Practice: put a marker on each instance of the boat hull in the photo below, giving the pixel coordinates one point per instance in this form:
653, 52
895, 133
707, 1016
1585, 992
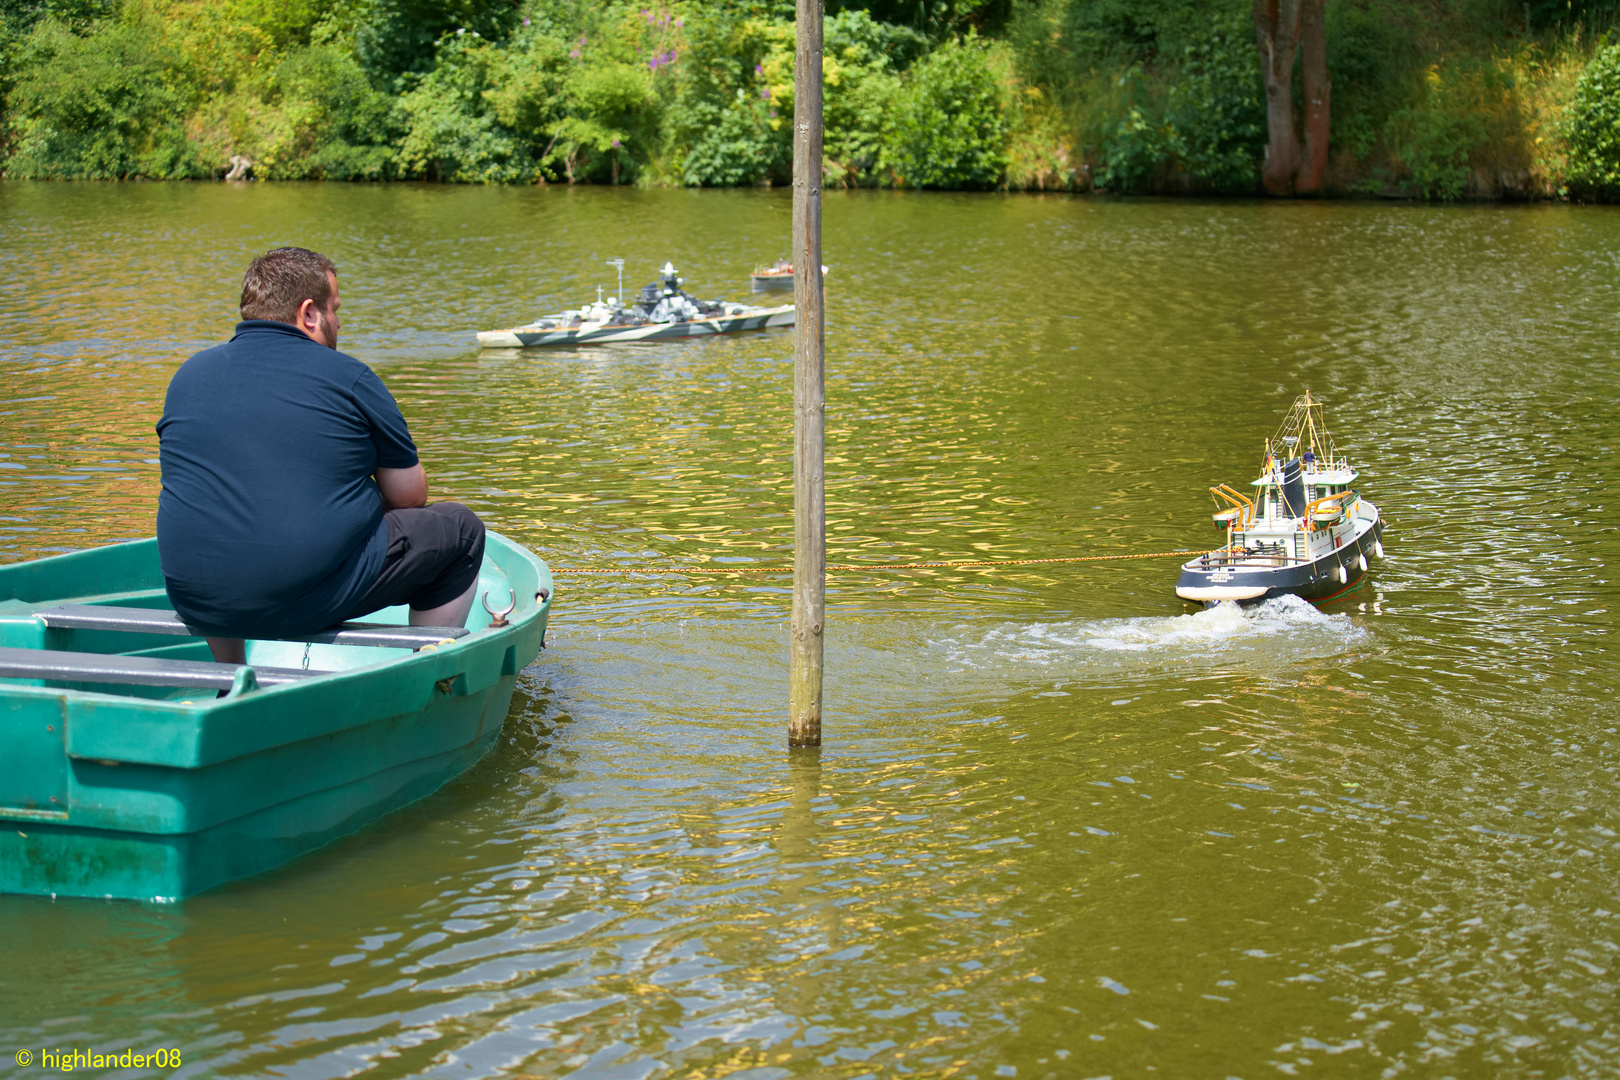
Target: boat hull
596, 334
142, 796
72, 860
1330, 574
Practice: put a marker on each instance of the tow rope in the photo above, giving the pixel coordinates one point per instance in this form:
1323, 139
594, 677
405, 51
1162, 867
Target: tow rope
858, 566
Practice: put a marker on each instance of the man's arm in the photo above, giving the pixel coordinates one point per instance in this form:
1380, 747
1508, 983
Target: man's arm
403, 488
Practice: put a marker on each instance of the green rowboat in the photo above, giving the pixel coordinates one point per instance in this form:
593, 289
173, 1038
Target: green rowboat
123, 775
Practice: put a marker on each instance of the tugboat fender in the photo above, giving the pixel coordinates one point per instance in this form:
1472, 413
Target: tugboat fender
1214, 594
1361, 560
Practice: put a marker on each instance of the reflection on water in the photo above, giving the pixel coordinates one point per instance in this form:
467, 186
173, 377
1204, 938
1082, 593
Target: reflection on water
1064, 824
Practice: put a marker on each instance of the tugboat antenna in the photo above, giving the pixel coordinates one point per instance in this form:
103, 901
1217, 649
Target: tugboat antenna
618, 264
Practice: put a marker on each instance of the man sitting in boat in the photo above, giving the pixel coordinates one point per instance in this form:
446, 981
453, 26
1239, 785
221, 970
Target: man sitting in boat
292, 496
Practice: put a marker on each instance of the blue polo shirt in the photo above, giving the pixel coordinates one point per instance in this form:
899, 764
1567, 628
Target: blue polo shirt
269, 523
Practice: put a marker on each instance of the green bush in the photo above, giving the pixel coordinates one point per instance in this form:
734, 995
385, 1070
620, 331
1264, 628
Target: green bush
107, 105
1432, 147
1374, 66
451, 132
1216, 113
949, 123
939, 19
1465, 108
863, 62
735, 104
1593, 124
1131, 139
529, 78
394, 38
19, 17
1136, 31
610, 126
729, 117
742, 147
1201, 124
325, 121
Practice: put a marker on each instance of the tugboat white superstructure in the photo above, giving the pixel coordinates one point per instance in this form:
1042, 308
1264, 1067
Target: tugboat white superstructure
664, 310
1304, 530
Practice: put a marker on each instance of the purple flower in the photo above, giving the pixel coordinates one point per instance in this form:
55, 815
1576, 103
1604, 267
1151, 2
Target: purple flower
759, 69
680, 22
765, 93
525, 20
574, 53
615, 144
645, 14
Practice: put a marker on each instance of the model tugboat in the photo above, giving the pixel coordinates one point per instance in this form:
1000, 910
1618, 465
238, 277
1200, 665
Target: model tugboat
1305, 530
663, 310
778, 275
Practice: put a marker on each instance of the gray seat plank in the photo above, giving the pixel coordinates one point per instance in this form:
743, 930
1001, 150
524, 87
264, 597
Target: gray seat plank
134, 670
161, 621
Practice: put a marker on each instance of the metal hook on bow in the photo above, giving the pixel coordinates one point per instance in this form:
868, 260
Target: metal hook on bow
498, 618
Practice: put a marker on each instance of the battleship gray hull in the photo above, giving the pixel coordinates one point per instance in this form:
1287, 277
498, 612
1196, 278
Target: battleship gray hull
588, 333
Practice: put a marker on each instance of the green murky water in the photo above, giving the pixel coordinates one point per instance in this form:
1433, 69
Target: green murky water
1063, 825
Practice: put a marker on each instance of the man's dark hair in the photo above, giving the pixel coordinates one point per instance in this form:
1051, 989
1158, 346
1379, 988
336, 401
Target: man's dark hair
279, 281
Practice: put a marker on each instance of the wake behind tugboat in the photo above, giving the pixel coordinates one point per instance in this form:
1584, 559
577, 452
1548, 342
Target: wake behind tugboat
664, 310
1305, 532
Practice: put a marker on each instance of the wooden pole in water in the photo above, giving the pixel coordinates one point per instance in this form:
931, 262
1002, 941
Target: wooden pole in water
809, 391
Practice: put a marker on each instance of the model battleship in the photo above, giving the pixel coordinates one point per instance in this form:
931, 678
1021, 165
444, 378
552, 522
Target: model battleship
664, 310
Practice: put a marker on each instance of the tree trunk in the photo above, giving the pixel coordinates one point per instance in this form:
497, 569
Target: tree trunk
1276, 29
1318, 94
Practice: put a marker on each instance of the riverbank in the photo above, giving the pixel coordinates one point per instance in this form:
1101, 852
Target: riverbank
1464, 99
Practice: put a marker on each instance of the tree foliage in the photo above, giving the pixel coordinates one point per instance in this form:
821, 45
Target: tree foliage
394, 38
1202, 123
1428, 96
949, 123
1593, 124
324, 120
106, 105
452, 131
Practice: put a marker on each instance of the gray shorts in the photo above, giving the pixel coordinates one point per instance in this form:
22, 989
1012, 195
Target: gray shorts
434, 553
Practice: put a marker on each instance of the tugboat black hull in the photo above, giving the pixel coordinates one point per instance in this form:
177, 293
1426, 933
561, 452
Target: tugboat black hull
1331, 574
